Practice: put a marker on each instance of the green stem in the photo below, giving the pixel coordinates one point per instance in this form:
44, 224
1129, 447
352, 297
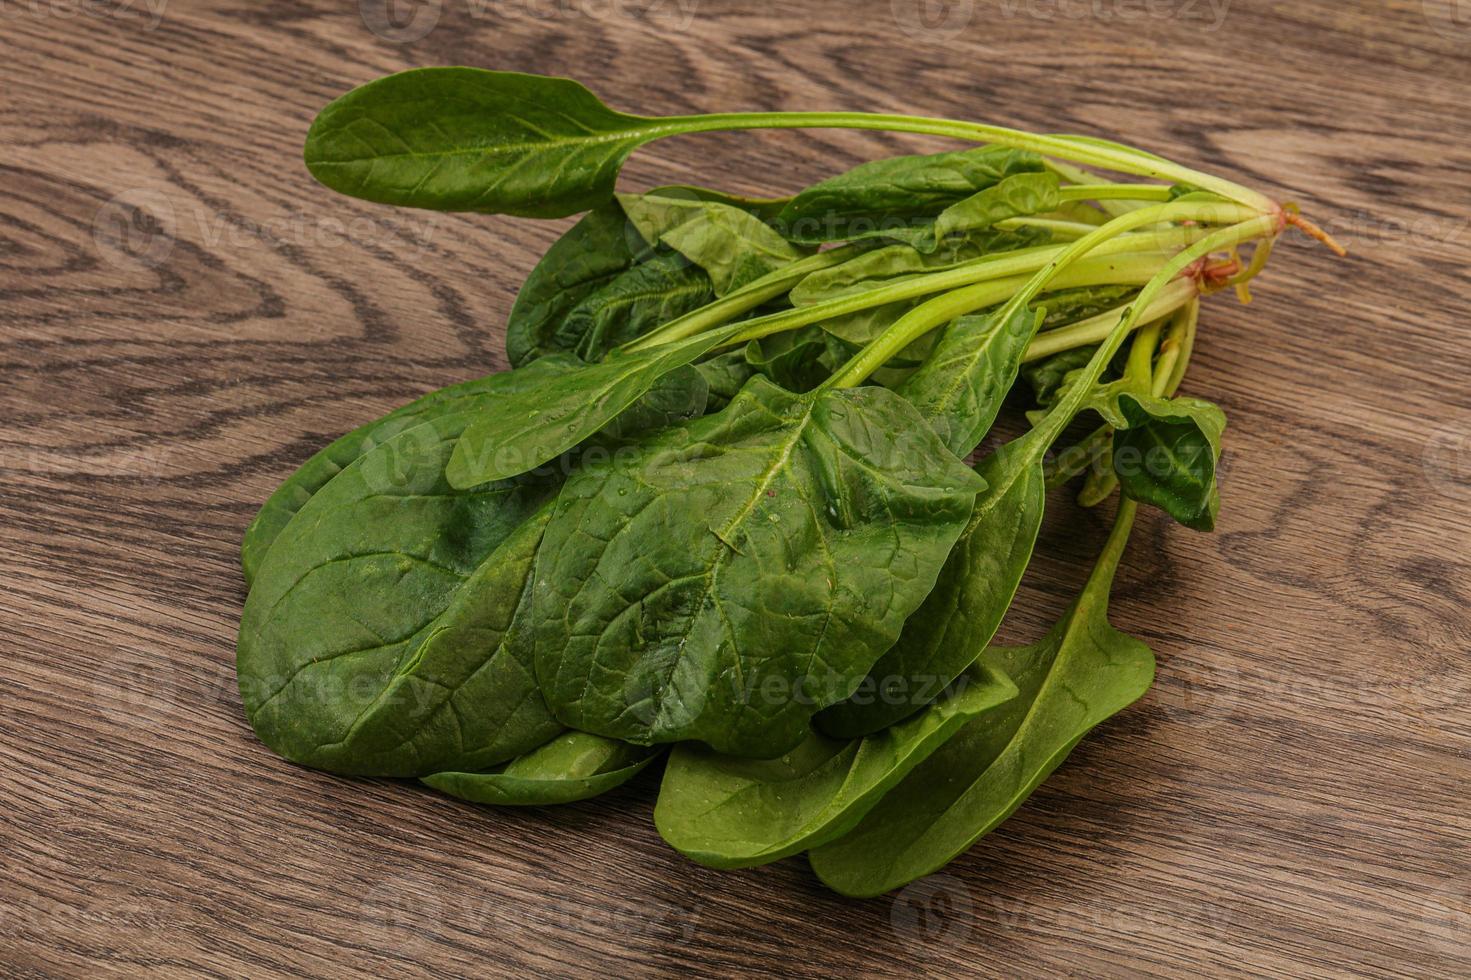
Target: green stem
1084, 150
1092, 271
1260, 227
908, 328
1096, 329
1174, 353
736, 302
1115, 192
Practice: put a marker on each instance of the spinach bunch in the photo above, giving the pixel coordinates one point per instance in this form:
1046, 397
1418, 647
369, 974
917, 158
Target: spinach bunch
719, 505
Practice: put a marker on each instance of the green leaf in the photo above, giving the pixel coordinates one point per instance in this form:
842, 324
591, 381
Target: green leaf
383, 635
882, 197
462, 139
1167, 456
725, 375
644, 296
533, 427
1016, 196
960, 387
970, 598
385, 632
316, 472
1081, 673
1048, 375
591, 254
898, 262
731, 245
727, 578
727, 812
791, 360
573, 766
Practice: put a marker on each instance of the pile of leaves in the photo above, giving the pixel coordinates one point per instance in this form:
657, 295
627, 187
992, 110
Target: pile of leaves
717, 516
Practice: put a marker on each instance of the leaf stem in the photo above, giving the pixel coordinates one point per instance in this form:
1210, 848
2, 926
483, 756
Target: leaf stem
913, 325
1062, 413
1079, 149
742, 300
1096, 329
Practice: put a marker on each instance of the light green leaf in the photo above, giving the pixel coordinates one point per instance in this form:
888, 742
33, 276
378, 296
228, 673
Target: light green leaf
1081, 673
727, 812
725, 579
573, 766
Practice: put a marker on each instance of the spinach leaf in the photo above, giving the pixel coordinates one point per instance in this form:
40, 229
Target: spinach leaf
895, 261
386, 632
311, 476
728, 577
733, 246
573, 766
971, 595
587, 258
461, 139
642, 297
792, 360
531, 427
1166, 455
1048, 375
725, 375
884, 197
602, 284
727, 812
960, 387
1082, 672
1015, 196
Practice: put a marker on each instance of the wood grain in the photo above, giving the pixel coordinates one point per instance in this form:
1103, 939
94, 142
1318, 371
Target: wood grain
185, 316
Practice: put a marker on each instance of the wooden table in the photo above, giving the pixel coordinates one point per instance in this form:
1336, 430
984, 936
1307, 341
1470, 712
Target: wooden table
186, 316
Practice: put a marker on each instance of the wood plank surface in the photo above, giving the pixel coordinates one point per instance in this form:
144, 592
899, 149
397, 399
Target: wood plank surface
185, 316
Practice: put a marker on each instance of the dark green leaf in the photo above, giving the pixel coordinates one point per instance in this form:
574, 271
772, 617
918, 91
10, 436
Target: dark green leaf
1048, 375
385, 632
791, 360
592, 253
1082, 672
532, 427
727, 812
726, 579
725, 374
883, 196
314, 474
960, 387
1016, 196
731, 245
974, 589
573, 766
462, 139
644, 296
1167, 456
